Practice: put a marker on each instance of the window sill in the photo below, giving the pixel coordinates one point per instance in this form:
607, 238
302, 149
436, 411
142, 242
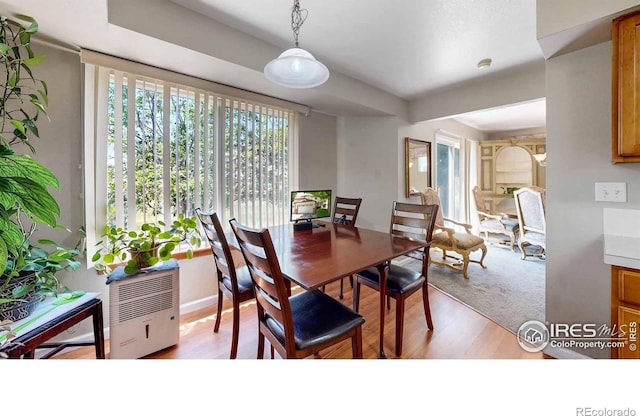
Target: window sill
179, 255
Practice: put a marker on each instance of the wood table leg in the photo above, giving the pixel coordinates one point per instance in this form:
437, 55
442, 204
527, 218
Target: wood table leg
382, 272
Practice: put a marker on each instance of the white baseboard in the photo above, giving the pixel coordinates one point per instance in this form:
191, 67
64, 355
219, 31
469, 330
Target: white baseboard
198, 304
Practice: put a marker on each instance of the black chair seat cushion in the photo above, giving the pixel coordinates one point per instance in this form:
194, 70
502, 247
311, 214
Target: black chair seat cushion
399, 279
316, 318
244, 280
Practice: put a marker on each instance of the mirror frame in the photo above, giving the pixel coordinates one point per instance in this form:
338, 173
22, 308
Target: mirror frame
407, 152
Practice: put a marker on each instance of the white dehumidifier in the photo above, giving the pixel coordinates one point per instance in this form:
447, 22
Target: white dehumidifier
144, 312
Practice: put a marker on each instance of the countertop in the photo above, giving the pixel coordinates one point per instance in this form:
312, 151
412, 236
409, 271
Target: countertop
621, 229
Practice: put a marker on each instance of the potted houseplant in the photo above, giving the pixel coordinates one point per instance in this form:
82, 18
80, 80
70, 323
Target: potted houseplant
27, 270
137, 249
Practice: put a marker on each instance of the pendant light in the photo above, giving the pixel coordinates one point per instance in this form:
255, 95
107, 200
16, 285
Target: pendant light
295, 67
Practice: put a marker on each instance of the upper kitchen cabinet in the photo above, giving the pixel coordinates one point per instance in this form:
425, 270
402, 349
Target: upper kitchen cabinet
625, 36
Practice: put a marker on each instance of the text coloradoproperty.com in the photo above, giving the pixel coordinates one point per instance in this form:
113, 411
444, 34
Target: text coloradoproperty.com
586, 344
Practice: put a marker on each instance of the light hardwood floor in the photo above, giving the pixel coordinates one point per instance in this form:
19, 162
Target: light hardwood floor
459, 332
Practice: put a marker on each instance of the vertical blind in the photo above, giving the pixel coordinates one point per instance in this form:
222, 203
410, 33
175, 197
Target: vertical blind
157, 149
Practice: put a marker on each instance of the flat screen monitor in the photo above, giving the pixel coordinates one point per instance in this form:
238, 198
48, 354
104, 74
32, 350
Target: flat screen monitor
309, 205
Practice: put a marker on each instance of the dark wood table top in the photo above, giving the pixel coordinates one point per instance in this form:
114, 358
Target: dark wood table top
313, 258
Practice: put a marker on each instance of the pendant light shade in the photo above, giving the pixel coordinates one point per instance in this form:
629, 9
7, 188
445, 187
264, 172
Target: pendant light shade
296, 68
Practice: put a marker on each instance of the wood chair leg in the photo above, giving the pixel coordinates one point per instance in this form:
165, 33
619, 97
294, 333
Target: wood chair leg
216, 327
427, 308
342, 285
484, 254
524, 253
236, 330
399, 324
356, 343
465, 265
260, 345
356, 295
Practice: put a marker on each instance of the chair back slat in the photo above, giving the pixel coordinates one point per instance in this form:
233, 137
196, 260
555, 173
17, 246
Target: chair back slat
219, 247
262, 274
415, 221
415, 236
410, 221
272, 293
345, 210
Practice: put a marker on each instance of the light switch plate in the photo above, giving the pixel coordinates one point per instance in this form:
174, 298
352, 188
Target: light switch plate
611, 191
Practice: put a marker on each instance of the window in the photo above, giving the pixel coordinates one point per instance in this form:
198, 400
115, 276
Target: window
448, 176
156, 148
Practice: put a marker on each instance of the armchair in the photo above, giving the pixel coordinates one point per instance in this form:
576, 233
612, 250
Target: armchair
494, 223
448, 239
530, 204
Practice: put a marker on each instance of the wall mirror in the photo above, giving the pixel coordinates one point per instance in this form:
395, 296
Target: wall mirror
417, 166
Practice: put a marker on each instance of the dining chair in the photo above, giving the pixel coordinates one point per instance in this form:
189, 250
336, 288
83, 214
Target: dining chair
234, 282
414, 221
447, 238
530, 205
494, 223
296, 326
345, 211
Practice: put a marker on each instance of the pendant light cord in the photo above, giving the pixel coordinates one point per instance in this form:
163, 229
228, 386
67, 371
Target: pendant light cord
298, 16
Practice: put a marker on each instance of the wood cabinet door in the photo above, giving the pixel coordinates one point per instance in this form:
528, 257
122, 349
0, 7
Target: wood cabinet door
626, 89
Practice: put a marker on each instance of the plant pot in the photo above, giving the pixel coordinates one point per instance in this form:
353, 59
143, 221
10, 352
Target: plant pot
20, 309
7, 285
143, 257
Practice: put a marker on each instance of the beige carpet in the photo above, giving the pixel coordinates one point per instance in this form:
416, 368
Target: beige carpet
510, 291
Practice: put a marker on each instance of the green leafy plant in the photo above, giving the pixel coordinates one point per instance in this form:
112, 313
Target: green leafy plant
145, 247
23, 97
25, 198
40, 263
23, 189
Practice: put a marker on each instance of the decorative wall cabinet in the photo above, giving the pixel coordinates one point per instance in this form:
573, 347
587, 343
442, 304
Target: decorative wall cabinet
507, 164
625, 125
625, 311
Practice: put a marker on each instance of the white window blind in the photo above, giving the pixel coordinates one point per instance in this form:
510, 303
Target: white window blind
155, 149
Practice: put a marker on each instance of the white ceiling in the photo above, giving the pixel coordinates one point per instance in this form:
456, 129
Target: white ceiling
522, 116
404, 48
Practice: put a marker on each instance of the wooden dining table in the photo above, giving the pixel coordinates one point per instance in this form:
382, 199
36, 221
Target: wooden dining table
324, 254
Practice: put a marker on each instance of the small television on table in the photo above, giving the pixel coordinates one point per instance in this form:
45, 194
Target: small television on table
309, 205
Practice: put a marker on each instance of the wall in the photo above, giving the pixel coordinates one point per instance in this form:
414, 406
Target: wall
367, 166
578, 155
318, 161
